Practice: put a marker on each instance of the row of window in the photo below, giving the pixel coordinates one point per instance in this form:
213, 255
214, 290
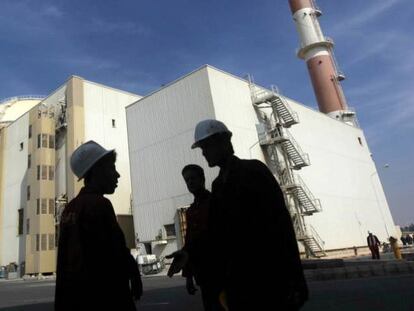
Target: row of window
42, 242
45, 172
43, 140
42, 206
46, 141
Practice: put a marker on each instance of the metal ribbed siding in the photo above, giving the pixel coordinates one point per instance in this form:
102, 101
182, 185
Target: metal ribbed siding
160, 130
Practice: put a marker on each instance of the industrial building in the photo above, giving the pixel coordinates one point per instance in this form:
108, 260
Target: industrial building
320, 158
37, 137
329, 172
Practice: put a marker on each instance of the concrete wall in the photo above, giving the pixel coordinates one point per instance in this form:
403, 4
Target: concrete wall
343, 176
13, 191
102, 105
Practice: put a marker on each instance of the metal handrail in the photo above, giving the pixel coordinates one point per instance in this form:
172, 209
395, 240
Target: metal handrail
296, 180
335, 63
317, 237
294, 115
300, 181
339, 91
22, 97
286, 134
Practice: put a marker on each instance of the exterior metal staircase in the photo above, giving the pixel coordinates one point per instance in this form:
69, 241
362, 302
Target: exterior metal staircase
295, 186
279, 135
284, 155
313, 243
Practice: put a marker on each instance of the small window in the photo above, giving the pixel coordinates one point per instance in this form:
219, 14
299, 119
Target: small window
51, 242
27, 225
20, 229
44, 206
51, 206
170, 230
39, 140
360, 141
52, 141
37, 206
113, 123
21, 146
37, 242
30, 131
28, 193
44, 140
38, 172
39, 114
44, 242
44, 172
51, 172
29, 161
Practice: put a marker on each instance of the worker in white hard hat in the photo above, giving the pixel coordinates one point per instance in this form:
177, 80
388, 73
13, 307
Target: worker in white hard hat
95, 270
248, 211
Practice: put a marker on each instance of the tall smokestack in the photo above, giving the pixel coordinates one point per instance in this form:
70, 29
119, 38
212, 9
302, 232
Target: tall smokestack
316, 50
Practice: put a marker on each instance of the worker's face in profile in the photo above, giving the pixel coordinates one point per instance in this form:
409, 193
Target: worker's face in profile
105, 176
212, 150
111, 176
194, 181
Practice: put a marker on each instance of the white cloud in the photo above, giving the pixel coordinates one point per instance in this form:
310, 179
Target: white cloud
52, 11
365, 16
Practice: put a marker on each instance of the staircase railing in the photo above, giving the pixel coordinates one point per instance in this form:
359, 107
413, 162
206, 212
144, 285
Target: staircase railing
286, 134
316, 236
316, 202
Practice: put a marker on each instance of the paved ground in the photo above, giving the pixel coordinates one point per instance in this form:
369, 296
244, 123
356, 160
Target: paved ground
161, 293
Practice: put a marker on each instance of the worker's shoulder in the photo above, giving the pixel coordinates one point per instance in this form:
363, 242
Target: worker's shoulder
92, 202
253, 165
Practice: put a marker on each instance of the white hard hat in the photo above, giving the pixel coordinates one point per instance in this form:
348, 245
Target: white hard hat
207, 128
85, 156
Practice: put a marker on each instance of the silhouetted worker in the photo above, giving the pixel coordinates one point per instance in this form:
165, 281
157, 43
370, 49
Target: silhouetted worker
196, 238
95, 270
248, 212
373, 244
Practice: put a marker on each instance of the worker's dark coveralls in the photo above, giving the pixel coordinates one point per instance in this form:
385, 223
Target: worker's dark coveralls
197, 247
373, 244
94, 266
257, 260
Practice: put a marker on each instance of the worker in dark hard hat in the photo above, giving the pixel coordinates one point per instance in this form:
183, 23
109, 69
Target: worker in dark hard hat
95, 270
248, 212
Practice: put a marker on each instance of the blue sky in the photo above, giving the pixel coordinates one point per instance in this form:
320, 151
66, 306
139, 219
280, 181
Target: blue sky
140, 45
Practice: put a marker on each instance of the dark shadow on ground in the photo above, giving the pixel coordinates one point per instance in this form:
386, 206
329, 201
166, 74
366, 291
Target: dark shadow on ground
32, 307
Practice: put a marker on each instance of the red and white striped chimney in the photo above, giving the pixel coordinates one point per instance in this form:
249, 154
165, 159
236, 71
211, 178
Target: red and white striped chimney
316, 50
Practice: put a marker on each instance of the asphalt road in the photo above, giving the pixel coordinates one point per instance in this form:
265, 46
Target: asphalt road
162, 293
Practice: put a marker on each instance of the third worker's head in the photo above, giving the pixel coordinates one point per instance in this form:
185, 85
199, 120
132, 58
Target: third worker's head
194, 178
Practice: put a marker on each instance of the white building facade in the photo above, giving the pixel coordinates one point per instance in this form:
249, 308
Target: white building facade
340, 172
36, 181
